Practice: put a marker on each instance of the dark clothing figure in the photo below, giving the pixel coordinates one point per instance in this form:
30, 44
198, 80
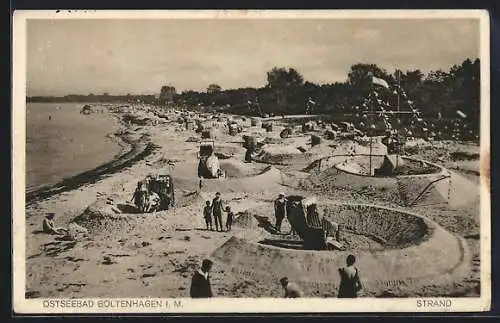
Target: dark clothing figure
279, 212
229, 220
248, 155
200, 285
207, 215
217, 212
350, 284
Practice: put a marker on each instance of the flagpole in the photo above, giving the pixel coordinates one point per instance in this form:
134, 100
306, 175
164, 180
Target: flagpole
371, 137
399, 87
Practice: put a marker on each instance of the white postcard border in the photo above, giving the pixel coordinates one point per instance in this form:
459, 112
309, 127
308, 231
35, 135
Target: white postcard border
241, 305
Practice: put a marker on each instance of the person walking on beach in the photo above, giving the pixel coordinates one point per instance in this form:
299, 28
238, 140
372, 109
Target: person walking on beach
229, 219
291, 290
217, 211
200, 283
207, 215
279, 210
350, 283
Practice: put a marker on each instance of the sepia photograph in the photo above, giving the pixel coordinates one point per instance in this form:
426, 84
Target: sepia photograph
284, 161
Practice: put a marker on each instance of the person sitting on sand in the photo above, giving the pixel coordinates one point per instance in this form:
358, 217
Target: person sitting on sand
217, 210
229, 219
200, 283
49, 227
207, 215
291, 290
350, 283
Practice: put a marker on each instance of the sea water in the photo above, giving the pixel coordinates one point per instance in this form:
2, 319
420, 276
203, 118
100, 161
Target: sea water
61, 142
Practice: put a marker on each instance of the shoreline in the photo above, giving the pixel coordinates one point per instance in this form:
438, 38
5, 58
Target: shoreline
131, 151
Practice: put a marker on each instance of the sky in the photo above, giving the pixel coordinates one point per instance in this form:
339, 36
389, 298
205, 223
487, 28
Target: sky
122, 56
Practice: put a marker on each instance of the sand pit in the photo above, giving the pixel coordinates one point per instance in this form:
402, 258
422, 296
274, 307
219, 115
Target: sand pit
102, 217
399, 250
403, 166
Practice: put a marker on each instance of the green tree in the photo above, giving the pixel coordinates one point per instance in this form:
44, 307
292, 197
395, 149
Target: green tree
284, 84
360, 79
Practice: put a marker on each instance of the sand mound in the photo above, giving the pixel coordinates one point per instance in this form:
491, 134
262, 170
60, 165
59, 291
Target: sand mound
104, 218
237, 168
246, 220
269, 179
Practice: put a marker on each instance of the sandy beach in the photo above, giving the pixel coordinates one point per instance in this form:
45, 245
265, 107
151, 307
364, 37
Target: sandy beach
154, 255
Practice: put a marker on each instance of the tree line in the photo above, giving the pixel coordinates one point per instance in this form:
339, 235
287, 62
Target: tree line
436, 94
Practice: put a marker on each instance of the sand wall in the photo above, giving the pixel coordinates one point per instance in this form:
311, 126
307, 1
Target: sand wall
441, 258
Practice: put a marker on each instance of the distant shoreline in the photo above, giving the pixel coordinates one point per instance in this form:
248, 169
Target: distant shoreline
132, 150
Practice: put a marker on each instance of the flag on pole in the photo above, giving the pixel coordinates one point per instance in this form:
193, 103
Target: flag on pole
381, 82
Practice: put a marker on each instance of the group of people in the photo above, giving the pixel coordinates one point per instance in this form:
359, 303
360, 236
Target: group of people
153, 194
214, 211
350, 282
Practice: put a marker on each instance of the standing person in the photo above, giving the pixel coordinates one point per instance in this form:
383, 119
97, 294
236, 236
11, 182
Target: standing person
291, 289
350, 283
200, 283
279, 210
229, 219
207, 215
217, 211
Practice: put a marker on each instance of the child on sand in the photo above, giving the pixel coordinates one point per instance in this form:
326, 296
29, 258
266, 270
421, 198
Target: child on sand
229, 220
291, 290
207, 215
